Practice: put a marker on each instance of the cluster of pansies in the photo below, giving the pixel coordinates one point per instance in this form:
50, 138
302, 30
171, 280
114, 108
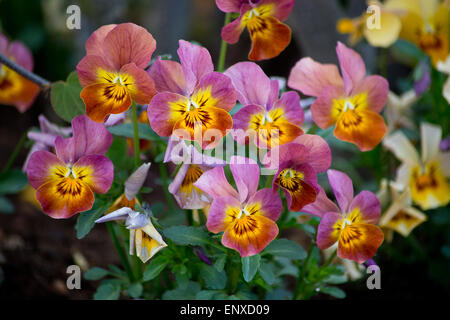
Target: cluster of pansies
193, 109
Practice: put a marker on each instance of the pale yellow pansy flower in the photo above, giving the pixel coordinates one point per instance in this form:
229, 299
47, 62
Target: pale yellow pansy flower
444, 67
398, 110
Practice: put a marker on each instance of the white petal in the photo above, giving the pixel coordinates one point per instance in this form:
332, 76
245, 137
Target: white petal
120, 214
431, 137
402, 148
135, 181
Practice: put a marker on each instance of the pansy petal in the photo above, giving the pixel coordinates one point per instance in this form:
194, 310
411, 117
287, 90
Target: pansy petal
251, 240
387, 33
269, 202
321, 109
365, 128
3, 43
246, 176
274, 92
359, 242
327, 234
431, 138
377, 90
128, 43
311, 77
39, 167
321, 206
88, 69
282, 8
352, 66
242, 118
270, 40
161, 113
21, 55
143, 88
230, 5
96, 171
285, 155
251, 83
168, 76
402, 148
232, 31
290, 103
195, 61
368, 206
62, 202
218, 214
214, 183
94, 44
342, 187
319, 153
219, 89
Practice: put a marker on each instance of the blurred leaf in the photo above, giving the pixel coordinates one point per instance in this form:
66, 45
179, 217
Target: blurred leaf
334, 292
154, 268
135, 290
65, 98
183, 235
95, 273
220, 262
267, 274
127, 130
213, 278
6, 206
407, 52
186, 292
250, 266
285, 248
86, 220
117, 153
108, 290
211, 295
12, 181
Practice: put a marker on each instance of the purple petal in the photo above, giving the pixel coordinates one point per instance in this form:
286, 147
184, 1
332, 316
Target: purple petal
168, 76
274, 92
246, 176
326, 234
230, 5
101, 172
342, 187
222, 91
321, 206
369, 206
352, 65
271, 205
290, 103
319, 153
217, 215
232, 31
39, 166
214, 183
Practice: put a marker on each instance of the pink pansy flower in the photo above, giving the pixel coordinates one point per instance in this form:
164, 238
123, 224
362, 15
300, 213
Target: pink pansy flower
351, 102
193, 165
351, 225
274, 120
15, 90
191, 97
247, 217
263, 19
112, 72
298, 164
45, 138
66, 182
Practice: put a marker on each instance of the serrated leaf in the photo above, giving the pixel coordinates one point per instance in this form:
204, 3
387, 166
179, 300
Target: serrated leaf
95, 273
183, 235
107, 291
12, 181
285, 248
334, 292
6, 206
86, 220
250, 266
154, 268
135, 290
65, 98
127, 130
213, 279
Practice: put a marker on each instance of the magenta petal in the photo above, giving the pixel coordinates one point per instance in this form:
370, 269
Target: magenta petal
342, 187
352, 66
377, 90
246, 176
369, 206
310, 175
230, 5
3, 43
282, 7
160, 114
217, 213
290, 103
196, 62
271, 205
321, 206
319, 153
273, 94
22, 56
251, 83
311, 77
102, 172
214, 183
322, 106
232, 31
39, 166
241, 119
222, 90
89, 137
168, 76
325, 237
285, 155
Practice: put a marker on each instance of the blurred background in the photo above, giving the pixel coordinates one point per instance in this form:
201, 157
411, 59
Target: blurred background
36, 250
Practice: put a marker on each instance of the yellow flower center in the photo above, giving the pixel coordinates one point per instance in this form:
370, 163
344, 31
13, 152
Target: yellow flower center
290, 179
193, 173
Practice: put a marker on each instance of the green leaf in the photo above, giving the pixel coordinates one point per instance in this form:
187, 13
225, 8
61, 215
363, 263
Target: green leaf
334, 292
135, 290
12, 181
117, 153
220, 262
183, 235
6, 206
65, 98
186, 292
96, 273
267, 274
107, 291
86, 220
285, 248
154, 268
213, 279
250, 266
127, 130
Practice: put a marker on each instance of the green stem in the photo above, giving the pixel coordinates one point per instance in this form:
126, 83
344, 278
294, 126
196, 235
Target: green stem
189, 217
16, 152
301, 276
330, 259
163, 173
223, 47
268, 181
137, 151
120, 251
